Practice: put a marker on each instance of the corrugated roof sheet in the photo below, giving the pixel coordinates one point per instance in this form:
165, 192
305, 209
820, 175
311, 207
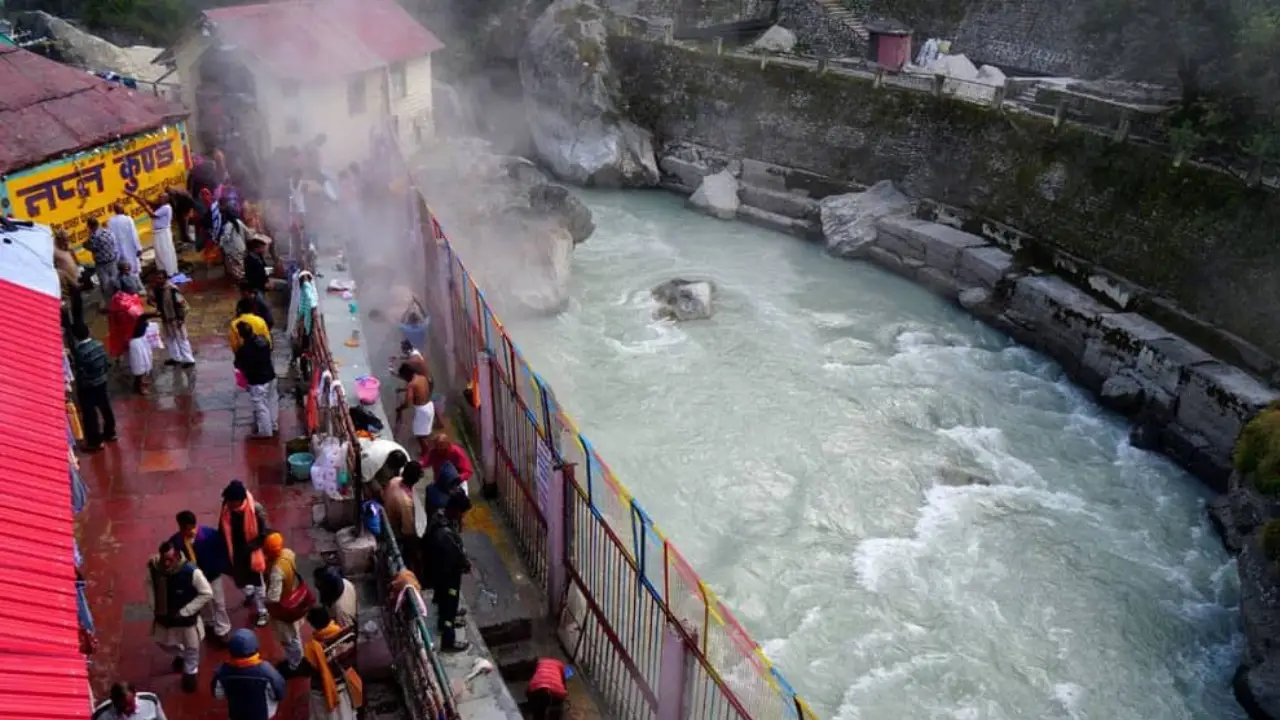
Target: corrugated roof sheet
322, 39
42, 673
48, 109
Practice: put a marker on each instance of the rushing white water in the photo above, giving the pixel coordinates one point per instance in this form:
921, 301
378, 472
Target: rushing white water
915, 517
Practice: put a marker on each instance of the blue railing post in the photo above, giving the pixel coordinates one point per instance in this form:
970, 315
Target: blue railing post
557, 515
673, 678
488, 446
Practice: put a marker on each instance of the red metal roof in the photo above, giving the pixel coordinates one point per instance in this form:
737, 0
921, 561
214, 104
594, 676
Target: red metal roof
48, 109
42, 673
323, 39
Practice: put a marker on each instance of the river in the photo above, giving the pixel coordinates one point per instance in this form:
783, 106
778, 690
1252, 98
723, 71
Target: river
914, 516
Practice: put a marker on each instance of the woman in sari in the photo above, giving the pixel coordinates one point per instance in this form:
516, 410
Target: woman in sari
232, 242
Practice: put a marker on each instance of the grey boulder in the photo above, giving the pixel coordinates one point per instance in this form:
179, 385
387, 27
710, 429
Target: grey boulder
776, 39
717, 195
571, 98
849, 221
681, 300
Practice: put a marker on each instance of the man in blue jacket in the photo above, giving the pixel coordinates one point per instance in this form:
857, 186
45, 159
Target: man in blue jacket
204, 546
252, 688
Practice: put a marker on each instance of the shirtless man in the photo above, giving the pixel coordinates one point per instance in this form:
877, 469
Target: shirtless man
417, 400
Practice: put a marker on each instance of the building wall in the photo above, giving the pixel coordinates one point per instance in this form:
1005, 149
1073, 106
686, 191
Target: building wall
1200, 237
186, 57
414, 110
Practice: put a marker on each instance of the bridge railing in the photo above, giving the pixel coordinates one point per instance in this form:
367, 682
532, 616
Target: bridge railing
646, 631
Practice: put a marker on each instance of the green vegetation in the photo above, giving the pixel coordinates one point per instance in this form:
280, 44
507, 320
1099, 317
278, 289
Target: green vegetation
1225, 55
126, 22
1257, 452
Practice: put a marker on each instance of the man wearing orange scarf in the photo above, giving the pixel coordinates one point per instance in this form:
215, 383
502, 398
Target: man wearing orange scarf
252, 688
243, 526
282, 580
336, 690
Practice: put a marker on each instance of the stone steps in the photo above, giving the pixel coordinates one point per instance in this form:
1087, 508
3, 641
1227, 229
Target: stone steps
496, 604
838, 12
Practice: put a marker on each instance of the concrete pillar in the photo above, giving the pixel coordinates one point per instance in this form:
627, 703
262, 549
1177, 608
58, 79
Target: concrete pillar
488, 447
557, 516
1126, 122
1060, 113
719, 44
938, 82
674, 674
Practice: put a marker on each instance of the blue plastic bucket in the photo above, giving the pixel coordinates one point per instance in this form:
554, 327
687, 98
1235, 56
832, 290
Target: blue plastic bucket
300, 465
416, 335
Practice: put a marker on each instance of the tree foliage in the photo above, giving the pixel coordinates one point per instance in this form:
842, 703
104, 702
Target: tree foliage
1223, 54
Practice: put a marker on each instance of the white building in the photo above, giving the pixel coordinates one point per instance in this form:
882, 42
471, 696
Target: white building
279, 74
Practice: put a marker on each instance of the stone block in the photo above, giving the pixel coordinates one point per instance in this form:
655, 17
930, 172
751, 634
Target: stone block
943, 245
893, 234
788, 204
974, 299
1217, 400
1121, 338
763, 175
984, 266
938, 281
356, 551
1164, 360
884, 259
688, 173
1197, 454
803, 229
1054, 316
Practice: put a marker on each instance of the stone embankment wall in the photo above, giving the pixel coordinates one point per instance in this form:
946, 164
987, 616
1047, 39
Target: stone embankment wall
1197, 237
1187, 403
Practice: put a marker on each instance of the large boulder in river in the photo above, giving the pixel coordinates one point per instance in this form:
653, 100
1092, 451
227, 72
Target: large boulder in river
717, 195
849, 221
684, 299
571, 98
559, 202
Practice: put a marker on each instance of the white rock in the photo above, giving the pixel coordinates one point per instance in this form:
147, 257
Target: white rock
571, 97
717, 195
684, 299
776, 39
849, 221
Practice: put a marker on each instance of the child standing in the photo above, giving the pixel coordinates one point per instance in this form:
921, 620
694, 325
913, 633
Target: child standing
140, 355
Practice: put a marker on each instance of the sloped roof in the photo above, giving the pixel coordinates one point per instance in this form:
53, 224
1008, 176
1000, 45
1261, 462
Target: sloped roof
48, 109
322, 39
41, 669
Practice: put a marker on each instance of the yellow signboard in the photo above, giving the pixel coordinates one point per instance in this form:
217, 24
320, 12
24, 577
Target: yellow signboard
65, 193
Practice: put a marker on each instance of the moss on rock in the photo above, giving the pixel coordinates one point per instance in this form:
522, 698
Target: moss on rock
1257, 452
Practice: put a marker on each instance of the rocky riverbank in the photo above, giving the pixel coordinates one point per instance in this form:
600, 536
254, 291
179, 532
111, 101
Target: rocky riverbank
1185, 402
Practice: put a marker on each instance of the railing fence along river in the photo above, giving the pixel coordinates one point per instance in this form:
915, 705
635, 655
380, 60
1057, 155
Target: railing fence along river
638, 622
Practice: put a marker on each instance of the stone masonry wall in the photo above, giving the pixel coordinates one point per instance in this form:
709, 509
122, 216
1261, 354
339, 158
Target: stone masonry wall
1040, 37
818, 32
1193, 235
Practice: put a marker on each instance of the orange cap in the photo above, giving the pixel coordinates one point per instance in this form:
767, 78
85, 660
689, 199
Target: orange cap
273, 544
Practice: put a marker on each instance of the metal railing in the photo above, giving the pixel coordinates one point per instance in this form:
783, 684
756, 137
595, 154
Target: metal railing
628, 596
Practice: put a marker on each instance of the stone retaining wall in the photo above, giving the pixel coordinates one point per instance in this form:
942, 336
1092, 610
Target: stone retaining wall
1186, 402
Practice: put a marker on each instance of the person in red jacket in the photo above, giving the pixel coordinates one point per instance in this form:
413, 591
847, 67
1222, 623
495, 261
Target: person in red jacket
546, 691
441, 450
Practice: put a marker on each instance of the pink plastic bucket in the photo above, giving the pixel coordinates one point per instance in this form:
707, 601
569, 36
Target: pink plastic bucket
241, 381
367, 389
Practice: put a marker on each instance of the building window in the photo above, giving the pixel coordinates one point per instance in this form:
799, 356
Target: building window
399, 82
292, 126
289, 88
355, 96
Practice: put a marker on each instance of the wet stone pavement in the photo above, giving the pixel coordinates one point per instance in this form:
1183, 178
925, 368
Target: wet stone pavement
177, 449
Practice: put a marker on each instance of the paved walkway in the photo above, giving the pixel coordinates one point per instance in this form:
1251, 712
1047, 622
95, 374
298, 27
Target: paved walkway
178, 448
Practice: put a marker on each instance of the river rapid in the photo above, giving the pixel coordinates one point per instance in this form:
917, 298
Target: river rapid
914, 516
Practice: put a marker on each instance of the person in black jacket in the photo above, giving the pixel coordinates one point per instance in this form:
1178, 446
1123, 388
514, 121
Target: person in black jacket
446, 564
251, 301
255, 266
253, 360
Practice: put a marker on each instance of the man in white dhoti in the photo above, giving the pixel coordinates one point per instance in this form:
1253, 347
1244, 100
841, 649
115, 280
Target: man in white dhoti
178, 591
161, 213
171, 306
125, 233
